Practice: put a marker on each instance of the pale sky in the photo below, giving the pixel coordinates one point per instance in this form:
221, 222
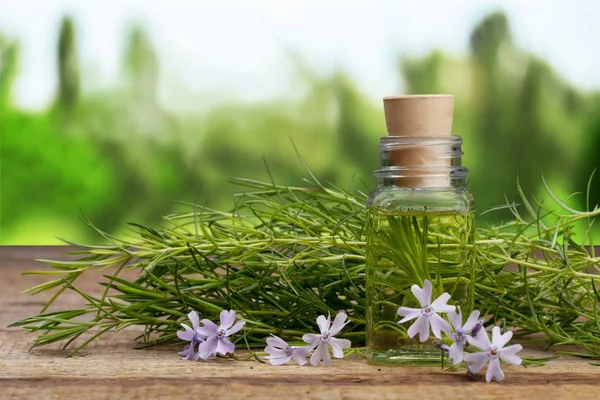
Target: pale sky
237, 49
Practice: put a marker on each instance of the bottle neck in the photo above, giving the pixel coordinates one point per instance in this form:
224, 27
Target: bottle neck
432, 162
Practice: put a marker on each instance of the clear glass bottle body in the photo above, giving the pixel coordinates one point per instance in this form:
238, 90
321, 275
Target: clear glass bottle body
420, 226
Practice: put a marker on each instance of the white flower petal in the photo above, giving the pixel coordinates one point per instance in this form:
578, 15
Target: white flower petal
456, 319
341, 344
408, 314
498, 339
188, 352
424, 331
511, 359
194, 319
276, 341
227, 319
439, 305
321, 353
208, 348
209, 329
511, 350
496, 335
422, 295
187, 335
316, 356
472, 320
274, 351
278, 360
344, 343
235, 328
508, 354
338, 323
204, 356
312, 339
336, 349
416, 326
225, 346
456, 353
325, 355
495, 371
481, 341
439, 324
477, 361
324, 323
300, 354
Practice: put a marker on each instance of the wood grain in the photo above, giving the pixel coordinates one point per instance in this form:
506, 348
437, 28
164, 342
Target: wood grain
112, 369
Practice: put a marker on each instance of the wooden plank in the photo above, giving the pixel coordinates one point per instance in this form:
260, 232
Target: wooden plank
111, 368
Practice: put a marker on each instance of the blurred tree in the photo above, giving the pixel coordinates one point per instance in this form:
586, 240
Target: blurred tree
124, 158
422, 76
358, 128
141, 66
9, 57
68, 67
534, 152
487, 37
503, 108
590, 159
494, 113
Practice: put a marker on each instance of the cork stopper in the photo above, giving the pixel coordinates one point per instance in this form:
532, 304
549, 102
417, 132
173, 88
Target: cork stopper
419, 116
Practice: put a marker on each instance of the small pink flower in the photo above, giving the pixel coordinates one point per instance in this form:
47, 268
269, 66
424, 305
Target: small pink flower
217, 340
280, 352
322, 342
462, 333
427, 315
191, 335
493, 352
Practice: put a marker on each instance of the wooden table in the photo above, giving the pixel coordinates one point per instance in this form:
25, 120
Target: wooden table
110, 368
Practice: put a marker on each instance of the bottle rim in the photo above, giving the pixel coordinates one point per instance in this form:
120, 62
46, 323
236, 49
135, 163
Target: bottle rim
388, 143
431, 161
441, 171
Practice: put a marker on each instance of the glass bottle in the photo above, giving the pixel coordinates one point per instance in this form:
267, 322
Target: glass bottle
420, 226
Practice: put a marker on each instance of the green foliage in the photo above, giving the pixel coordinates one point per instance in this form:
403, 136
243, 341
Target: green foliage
68, 67
487, 38
591, 154
9, 55
516, 115
141, 66
285, 254
122, 156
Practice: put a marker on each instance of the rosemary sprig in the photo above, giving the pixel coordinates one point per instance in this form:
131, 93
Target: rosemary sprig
285, 254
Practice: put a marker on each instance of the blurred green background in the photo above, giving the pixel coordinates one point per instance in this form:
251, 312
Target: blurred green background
117, 154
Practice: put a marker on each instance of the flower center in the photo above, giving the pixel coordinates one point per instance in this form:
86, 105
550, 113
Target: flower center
494, 352
220, 332
428, 310
325, 336
459, 336
289, 351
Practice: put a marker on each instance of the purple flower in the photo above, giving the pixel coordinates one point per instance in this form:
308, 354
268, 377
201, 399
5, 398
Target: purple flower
280, 352
462, 333
493, 352
427, 314
326, 339
191, 335
443, 347
217, 336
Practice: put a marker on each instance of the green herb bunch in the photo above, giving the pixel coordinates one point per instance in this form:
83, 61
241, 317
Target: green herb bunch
285, 254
